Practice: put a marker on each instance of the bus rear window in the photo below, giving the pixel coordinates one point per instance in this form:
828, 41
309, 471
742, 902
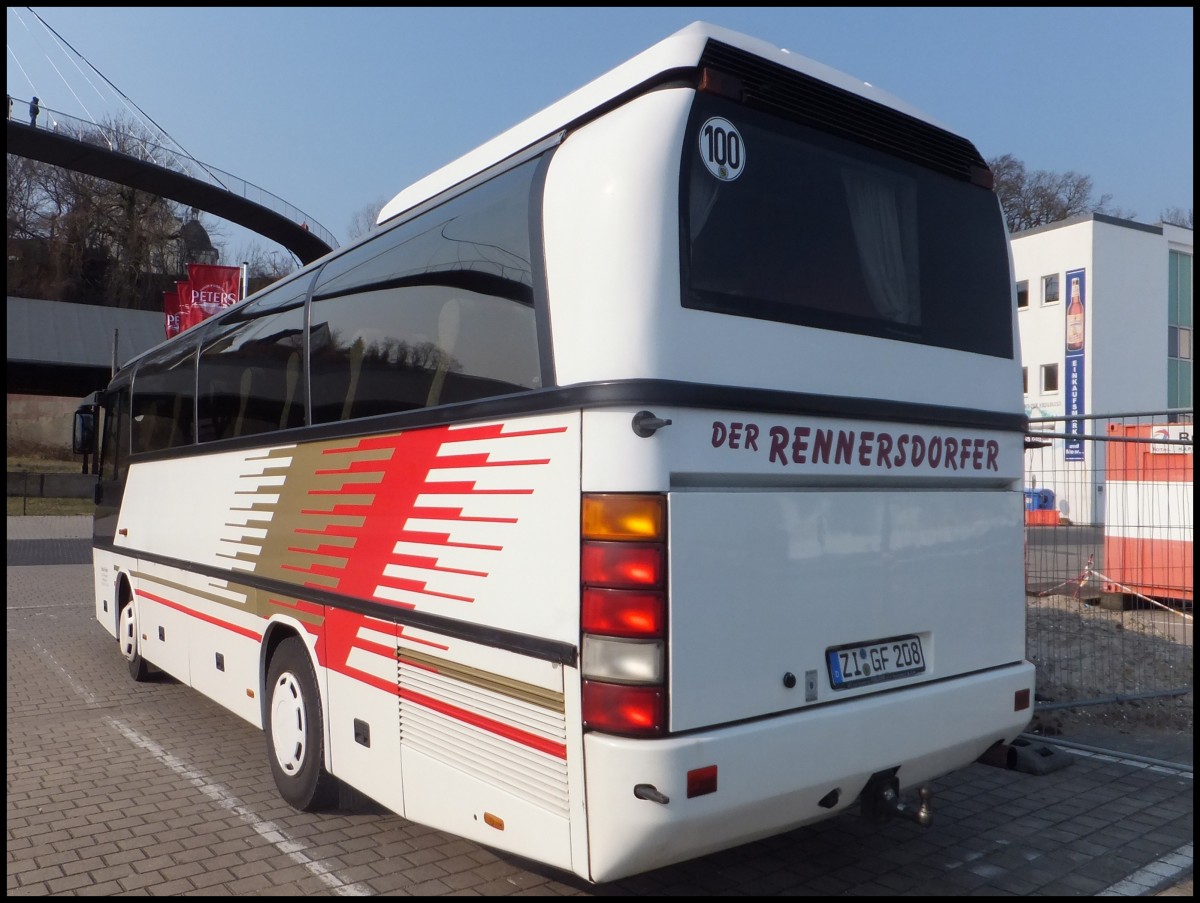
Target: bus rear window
783, 222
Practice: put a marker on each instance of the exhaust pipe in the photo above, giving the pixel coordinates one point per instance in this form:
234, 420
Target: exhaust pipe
881, 801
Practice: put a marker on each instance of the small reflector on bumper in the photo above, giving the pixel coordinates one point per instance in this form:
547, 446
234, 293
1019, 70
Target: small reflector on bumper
701, 781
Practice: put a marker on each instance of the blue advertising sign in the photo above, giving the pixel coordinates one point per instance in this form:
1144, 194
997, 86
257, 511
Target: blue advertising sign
1076, 351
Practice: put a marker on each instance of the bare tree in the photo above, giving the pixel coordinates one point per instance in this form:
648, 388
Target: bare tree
1035, 198
265, 266
1177, 216
79, 238
76, 237
24, 201
364, 220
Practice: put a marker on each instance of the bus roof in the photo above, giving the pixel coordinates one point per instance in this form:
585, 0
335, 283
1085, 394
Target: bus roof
682, 50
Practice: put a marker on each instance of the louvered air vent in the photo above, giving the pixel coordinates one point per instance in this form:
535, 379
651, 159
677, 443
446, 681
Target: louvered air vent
784, 92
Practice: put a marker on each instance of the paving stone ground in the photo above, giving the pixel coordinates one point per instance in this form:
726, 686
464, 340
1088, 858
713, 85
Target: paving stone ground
116, 787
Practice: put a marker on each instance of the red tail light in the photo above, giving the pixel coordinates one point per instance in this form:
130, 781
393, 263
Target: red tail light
623, 612
623, 606
622, 564
623, 709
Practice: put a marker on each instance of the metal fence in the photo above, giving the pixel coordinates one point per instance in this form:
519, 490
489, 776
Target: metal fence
1108, 563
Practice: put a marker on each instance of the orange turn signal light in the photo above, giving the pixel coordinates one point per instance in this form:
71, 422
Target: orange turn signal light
622, 516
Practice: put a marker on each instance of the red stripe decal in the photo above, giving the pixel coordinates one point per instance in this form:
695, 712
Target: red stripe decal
355, 467
412, 639
338, 511
455, 514
329, 551
417, 587
371, 680
497, 432
374, 647
341, 639
430, 564
331, 530
441, 539
376, 482
467, 488
551, 747
200, 616
323, 570
308, 608
449, 462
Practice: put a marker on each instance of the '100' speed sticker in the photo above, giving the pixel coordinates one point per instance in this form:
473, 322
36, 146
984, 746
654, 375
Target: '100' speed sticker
721, 149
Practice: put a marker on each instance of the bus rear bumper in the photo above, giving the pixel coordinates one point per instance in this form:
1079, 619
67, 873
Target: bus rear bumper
779, 773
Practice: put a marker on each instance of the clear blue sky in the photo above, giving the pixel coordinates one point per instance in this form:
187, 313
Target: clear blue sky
335, 109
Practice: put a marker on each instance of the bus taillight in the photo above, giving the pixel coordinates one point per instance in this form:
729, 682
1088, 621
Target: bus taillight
623, 609
623, 612
624, 517
628, 710
622, 564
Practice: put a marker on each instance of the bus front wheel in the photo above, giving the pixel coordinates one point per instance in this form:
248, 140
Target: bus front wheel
294, 729
127, 637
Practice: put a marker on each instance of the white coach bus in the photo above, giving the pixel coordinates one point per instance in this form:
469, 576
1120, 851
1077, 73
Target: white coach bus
646, 483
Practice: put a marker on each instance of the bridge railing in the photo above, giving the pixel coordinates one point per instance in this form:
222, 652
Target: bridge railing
142, 147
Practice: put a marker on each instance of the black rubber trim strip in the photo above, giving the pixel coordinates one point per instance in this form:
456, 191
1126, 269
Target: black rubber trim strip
623, 393
494, 637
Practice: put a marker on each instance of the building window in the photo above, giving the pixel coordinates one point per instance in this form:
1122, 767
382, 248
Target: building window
1179, 330
1179, 343
1022, 294
1025, 380
1050, 289
1049, 378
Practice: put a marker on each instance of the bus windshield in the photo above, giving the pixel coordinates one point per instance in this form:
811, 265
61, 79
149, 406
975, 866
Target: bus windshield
782, 222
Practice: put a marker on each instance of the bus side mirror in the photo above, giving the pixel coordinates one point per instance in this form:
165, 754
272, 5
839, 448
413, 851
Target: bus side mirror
83, 434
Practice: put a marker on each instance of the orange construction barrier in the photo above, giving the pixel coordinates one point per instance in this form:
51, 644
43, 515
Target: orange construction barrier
1148, 512
1041, 518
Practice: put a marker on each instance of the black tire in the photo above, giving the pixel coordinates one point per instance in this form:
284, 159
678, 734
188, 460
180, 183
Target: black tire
293, 722
128, 640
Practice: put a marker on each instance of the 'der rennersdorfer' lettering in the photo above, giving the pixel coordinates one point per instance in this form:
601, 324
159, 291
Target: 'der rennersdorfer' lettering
861, 448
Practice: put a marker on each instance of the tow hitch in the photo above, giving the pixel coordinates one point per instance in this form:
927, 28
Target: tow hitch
881, 801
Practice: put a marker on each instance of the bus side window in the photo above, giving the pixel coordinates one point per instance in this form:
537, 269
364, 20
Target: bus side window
164, 399
250, 377
483, 323
373, 354
435, 310
329, 372
114, 443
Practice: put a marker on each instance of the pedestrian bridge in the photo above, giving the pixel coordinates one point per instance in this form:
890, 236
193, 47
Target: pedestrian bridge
132, 160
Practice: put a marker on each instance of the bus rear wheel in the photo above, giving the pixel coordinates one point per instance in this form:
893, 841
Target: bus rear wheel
295, 733
127, 637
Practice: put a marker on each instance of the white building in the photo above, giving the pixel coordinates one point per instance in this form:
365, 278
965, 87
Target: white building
1133, 354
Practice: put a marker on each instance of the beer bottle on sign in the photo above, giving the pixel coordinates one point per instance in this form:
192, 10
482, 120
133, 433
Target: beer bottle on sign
1075, 319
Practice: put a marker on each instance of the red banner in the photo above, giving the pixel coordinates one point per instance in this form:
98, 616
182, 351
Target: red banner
213, 288
171, 313
187, 318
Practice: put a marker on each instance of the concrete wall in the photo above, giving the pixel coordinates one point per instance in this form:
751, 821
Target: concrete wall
41, 425
51, 485
40, 422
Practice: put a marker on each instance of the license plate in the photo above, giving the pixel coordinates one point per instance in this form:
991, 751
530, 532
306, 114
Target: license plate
875, 662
